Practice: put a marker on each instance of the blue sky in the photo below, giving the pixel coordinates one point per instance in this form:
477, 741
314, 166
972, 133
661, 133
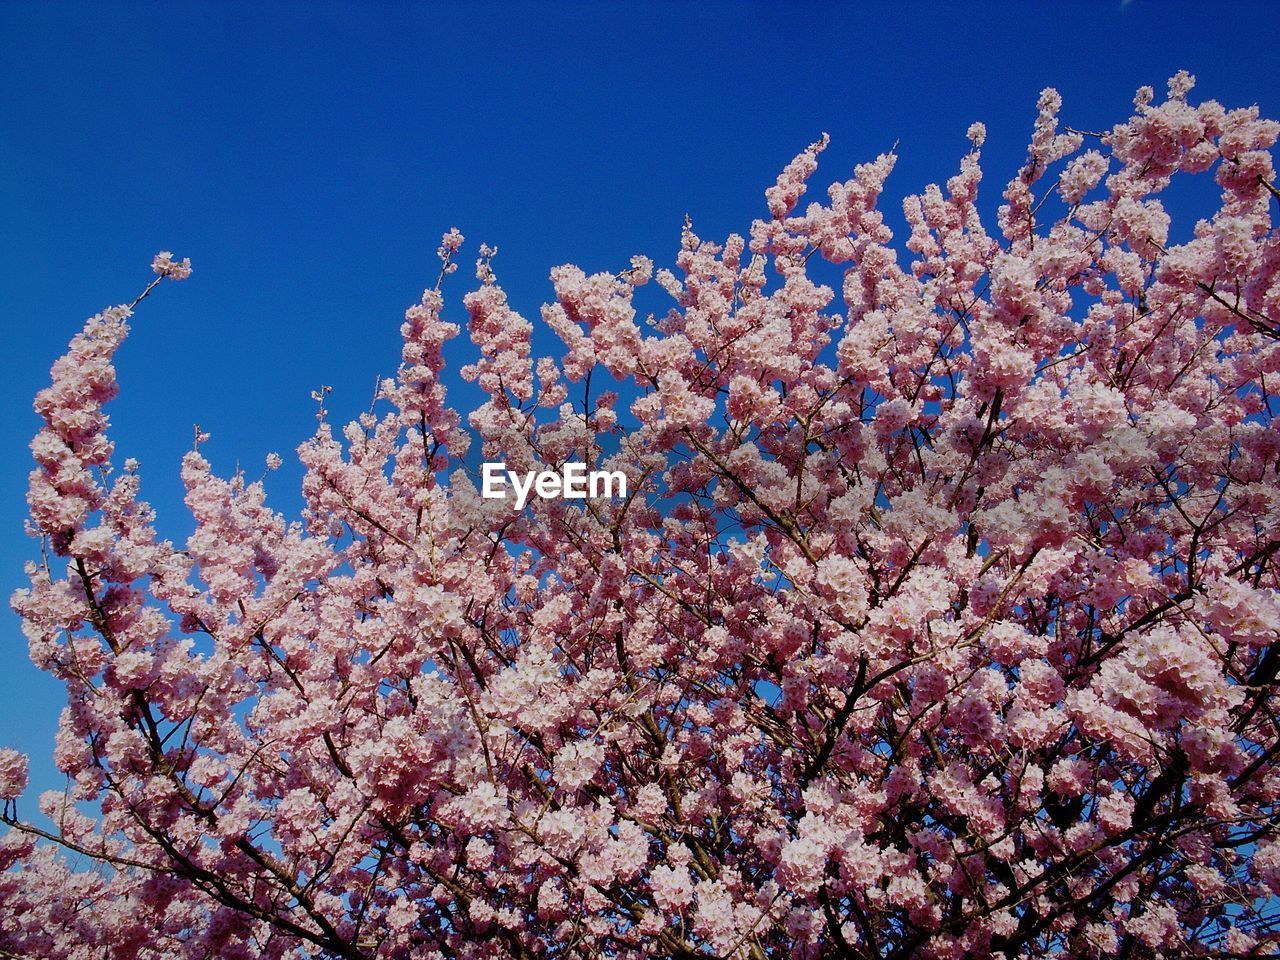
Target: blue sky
307, 159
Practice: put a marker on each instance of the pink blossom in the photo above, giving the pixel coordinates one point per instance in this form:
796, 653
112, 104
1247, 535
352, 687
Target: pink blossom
943, 594
165, 266
13, 774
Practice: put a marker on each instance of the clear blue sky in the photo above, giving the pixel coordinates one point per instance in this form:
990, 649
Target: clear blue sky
308, 157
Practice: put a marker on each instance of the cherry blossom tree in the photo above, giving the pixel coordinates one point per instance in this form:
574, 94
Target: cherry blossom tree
940, 618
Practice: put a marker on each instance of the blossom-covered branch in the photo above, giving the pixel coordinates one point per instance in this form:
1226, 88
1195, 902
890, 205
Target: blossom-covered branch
939, 617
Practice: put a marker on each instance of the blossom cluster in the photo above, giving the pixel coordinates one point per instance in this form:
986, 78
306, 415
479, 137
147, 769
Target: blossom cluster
940, 618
